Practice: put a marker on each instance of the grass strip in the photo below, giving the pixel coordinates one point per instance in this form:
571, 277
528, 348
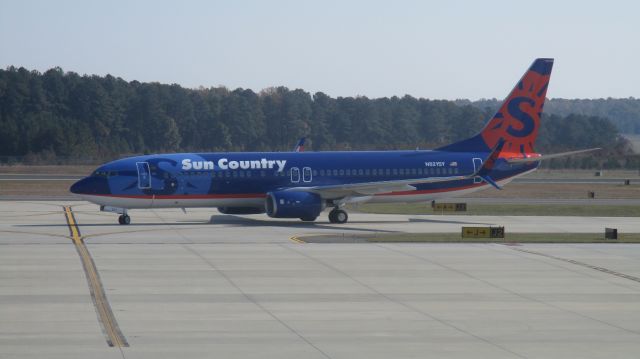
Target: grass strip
476, 209
457, 238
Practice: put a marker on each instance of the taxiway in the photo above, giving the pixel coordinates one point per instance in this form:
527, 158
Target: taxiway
202, 284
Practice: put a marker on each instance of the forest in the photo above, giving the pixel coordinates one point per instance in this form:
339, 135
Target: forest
624, 113
59, 116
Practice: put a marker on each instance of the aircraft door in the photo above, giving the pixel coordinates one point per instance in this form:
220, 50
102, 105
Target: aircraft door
477, 163
295, 175
144, 175
306, 174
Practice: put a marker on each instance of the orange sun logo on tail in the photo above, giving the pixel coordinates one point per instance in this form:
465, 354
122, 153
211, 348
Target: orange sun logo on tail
518, 119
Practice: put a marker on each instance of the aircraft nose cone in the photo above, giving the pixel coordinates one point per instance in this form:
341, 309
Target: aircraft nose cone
91, 185
79, 187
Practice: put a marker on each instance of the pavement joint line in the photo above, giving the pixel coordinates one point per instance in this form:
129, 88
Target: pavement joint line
403, 304
582, 264
571, 269
107, 320
531, 298
253, 300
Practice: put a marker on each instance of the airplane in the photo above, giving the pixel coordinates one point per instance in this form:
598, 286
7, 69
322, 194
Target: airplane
302, 184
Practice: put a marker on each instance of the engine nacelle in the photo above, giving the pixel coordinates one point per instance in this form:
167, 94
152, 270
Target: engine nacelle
285, 204
241, 210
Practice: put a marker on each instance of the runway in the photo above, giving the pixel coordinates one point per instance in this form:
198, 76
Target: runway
202, 284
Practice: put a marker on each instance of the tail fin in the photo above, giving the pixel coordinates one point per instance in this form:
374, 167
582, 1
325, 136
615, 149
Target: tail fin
518, 119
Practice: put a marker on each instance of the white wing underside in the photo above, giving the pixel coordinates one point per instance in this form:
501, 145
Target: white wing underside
373, 188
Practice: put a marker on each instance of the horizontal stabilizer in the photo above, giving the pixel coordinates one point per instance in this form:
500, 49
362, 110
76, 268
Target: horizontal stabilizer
490, 181
547, 157
490, 161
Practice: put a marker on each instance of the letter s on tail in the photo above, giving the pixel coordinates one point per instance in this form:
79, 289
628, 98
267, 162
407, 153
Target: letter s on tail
518, 119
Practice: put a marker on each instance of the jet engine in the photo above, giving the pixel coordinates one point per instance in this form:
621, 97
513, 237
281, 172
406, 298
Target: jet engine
289, 204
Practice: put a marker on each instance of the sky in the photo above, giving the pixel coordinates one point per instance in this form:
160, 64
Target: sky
447, 49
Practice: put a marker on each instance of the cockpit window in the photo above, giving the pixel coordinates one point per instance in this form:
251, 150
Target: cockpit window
101, 173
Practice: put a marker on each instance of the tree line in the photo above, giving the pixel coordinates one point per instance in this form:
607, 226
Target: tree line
57, 114
624, 113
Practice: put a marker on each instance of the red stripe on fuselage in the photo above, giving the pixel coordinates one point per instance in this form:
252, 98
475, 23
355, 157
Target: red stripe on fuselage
263, 195
186, 196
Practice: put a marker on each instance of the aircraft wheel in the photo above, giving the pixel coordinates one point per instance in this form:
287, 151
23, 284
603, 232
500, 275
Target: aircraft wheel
124, 219
338, 216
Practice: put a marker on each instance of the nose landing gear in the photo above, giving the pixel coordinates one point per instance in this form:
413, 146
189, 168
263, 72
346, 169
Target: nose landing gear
124, 217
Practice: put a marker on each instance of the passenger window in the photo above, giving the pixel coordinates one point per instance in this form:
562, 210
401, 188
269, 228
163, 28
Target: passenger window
335, 172
315, 173
341, 172
367, 172
360, 172
395, 171
402, 171
263, 173
349, 172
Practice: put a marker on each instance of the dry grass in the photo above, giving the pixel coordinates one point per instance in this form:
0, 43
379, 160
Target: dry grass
54, 170
583, 174
561, 191
35, 188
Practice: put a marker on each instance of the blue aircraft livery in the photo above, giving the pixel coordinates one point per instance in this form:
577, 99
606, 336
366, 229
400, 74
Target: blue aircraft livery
302, 184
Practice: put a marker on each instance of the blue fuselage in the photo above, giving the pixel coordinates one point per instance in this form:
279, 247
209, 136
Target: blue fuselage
244, 179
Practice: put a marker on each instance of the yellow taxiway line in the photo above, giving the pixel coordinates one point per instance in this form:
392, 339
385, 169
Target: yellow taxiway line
297, 240
103, 309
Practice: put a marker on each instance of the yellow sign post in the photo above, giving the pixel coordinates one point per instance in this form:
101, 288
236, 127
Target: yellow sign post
482, 232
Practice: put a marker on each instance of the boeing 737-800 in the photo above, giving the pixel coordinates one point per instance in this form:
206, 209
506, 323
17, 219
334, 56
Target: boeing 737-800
302, 184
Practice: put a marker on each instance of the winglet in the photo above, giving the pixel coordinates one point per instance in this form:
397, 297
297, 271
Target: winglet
299, 146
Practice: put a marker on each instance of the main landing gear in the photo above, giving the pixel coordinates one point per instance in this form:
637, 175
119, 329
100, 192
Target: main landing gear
124, 219
338, 216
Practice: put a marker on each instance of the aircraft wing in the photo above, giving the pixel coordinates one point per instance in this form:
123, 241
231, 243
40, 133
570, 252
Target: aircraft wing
371, 188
